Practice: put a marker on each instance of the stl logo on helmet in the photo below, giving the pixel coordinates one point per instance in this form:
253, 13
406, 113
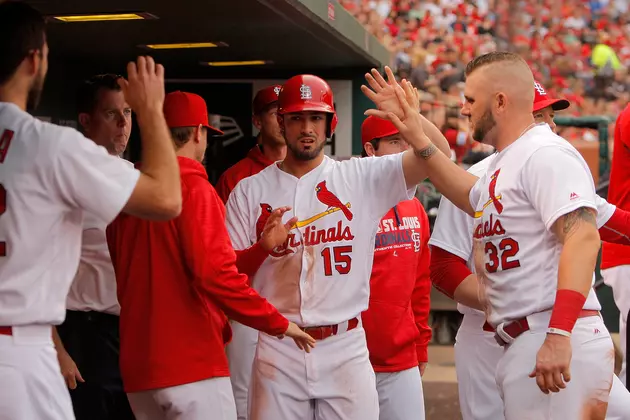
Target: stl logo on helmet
305, 92
276, 90
539, 88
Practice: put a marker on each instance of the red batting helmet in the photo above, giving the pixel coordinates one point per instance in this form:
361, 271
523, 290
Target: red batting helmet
376, 128
265, 97
308, 93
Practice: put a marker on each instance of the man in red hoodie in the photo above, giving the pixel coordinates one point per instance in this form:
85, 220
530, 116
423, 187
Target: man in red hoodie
396, 322
271, 146
176, 281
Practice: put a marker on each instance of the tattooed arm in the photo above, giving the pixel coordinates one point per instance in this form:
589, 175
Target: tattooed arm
577, 231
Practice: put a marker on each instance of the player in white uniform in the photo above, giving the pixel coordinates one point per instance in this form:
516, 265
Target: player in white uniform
50, 176
476, 350
535, 237
320, 277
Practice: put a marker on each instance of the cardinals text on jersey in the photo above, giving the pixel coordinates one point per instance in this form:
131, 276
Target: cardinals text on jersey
320, 275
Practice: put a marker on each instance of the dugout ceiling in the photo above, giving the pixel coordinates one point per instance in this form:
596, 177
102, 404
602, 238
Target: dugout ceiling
294, 35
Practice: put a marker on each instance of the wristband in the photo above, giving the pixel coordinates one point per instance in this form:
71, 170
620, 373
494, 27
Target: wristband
566, 309
558, 332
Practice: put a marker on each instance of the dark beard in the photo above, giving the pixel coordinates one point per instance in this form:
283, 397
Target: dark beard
305, 155
483, 126
35, 93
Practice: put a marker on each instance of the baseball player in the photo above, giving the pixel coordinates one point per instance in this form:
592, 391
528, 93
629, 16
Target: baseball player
89, 335
396, 322
319, 278
270, 145
476, 350
535, 245
615, 258
175, 281
50, 176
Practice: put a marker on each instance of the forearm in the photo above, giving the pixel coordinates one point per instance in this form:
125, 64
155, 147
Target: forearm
436, 136
449, 179
249, 260
158, 155
467, 293
57, 340
577, 262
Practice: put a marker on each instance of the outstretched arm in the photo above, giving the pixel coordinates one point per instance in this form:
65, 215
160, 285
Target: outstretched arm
429, 153
394, 101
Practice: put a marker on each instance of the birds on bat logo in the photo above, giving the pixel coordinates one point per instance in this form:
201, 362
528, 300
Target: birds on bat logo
325, 196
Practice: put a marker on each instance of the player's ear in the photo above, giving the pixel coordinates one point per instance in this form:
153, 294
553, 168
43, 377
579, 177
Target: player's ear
84, 120
368, 149
256, 120
198, 133
501, 101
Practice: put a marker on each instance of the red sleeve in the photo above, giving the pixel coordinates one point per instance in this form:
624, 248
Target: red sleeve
617, 228
448, 271
421, 297
249, 260
208, 253
224, 187
622, 127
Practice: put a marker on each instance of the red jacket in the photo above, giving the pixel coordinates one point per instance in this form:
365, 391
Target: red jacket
396, 322
254, 162
175, 281
614, 255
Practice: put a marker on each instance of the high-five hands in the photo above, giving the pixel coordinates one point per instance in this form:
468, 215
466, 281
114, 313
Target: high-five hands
144, 87
398, 104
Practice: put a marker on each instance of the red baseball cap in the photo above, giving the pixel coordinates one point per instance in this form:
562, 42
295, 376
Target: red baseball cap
376, 128
183, 109
541, 100
265, 97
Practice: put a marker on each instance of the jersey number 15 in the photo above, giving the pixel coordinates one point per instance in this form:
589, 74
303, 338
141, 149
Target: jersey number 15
337, 256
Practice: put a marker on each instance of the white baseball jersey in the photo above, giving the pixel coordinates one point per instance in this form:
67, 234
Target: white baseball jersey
525, 189
49, 175
94, 285
321, 275
453, 228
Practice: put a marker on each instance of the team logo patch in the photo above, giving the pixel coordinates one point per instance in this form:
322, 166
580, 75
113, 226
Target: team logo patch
331, 200
276, 90
305, 92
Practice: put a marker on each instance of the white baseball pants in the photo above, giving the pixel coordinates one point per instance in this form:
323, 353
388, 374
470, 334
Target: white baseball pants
619, 279
476, 355
208, 399
400, 395
240, 352
334, 381
592, 371
31, 385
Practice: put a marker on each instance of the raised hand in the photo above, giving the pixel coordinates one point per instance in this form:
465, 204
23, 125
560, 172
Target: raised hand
410, 124
275, 232
302, 340
144, 87
382, 93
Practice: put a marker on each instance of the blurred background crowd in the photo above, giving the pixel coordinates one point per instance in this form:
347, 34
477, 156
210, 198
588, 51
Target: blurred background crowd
577, 49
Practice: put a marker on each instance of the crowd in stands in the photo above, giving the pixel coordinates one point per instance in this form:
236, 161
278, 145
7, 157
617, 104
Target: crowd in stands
577, 49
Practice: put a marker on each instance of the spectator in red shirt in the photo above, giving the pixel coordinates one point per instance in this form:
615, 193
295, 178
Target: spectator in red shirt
396, 321
177, 280
271, 146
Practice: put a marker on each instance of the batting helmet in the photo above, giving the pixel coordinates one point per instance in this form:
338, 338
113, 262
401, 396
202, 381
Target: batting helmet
308, 93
